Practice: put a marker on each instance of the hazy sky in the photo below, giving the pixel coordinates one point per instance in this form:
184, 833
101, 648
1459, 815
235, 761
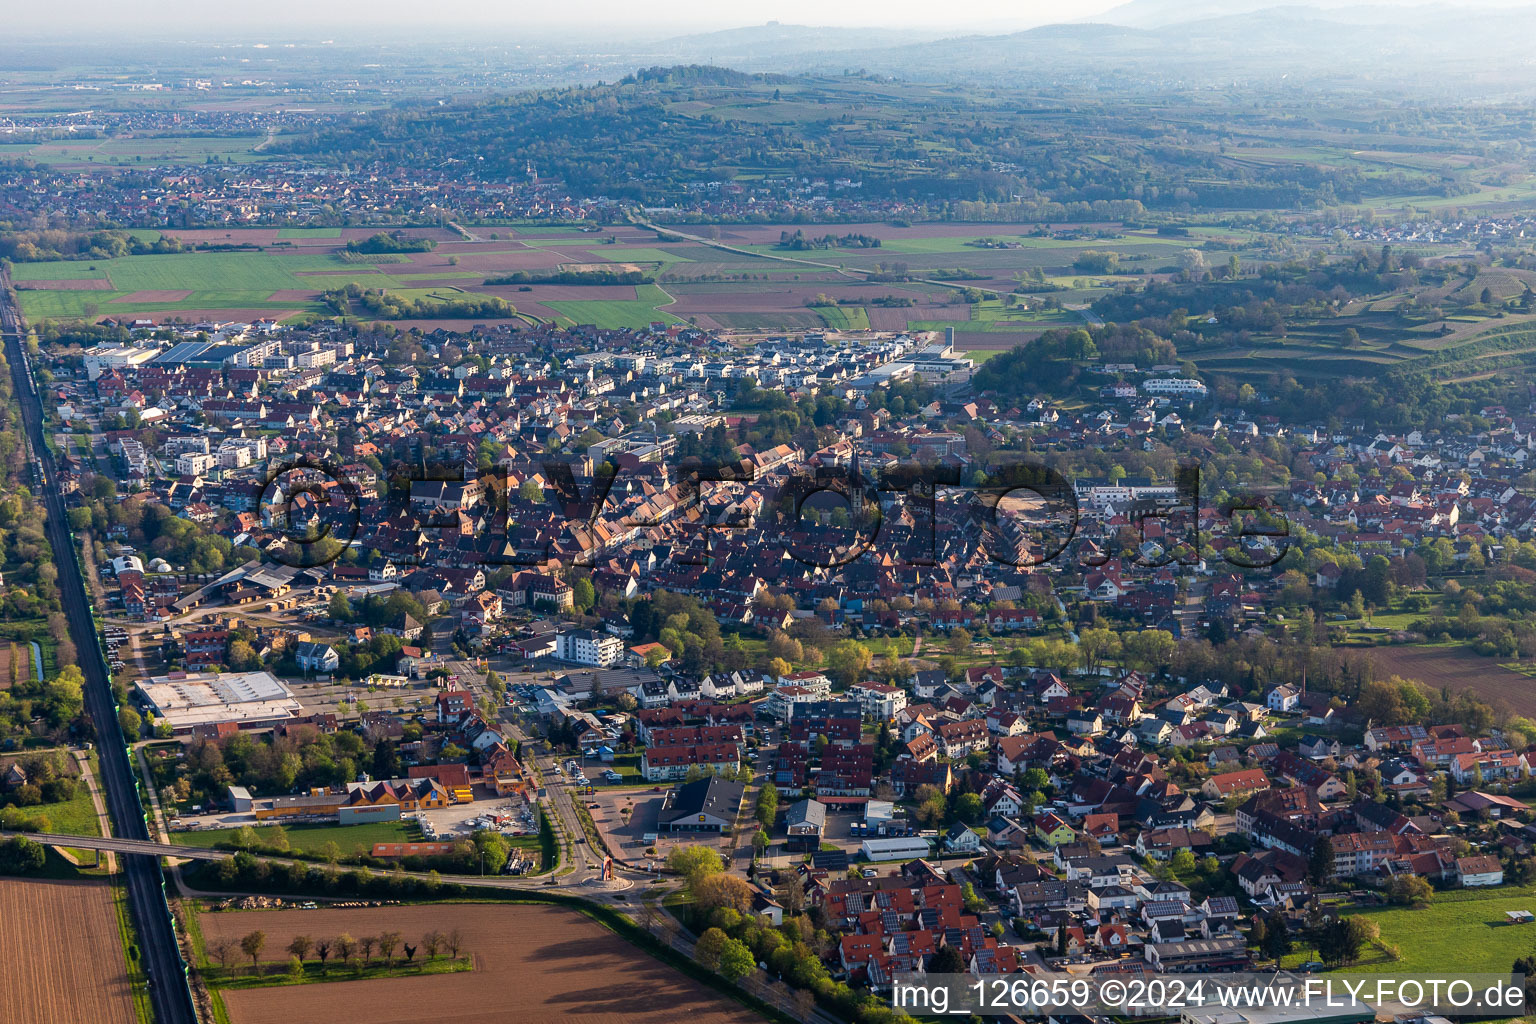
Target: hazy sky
583, 18
589, 15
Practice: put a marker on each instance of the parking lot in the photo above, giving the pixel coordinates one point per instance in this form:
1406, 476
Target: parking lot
624, 832
508, 815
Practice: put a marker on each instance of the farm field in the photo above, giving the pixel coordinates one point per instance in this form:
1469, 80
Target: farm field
761, 287
131, 150
61, 958
1460, 669
532, 964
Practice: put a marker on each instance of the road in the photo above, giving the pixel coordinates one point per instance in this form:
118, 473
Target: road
625, 890
103, 819
169, 993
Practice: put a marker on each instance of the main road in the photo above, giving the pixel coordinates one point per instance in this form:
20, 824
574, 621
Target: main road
168, 991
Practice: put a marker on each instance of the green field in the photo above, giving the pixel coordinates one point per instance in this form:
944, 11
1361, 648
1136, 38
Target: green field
131, 150
639, 254
1462, 927
63, 270
309, 233
844, 318
311, 839
617, 313
75, 817
215, 280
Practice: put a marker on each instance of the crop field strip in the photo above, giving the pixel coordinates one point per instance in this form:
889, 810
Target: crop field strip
532, 964
61, 960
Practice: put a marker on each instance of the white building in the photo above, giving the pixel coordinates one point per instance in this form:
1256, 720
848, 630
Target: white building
901, 848
879, 701
188, 699
194, 464
589, 647
101, 359
1178, 387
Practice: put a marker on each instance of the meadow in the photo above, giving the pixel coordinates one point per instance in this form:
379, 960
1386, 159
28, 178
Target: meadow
311, 839
1461, 927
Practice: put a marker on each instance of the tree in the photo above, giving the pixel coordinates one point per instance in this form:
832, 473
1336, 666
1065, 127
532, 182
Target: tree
432, 942
1411, 890
365, 948
1320, 863
242, 657
388, 943
1277, 937
130, 721
694, 863
932, 807
454, 940
224, 952
295, 970
947, 961
760, 842
21, 856
710, 948
1182, 861
251, 945
722, 890
346, 945
494, 849
299, 946
583, 594
735, 960
847, 661
968, 808
1342, 939
768, 804
323, 951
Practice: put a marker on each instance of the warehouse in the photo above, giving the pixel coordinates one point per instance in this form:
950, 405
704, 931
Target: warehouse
251, 700
901, 848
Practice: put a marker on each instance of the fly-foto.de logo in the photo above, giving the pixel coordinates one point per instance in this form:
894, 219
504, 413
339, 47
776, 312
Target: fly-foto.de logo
1016, 513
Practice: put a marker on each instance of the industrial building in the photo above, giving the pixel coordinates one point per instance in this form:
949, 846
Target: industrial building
903, 848
250, 700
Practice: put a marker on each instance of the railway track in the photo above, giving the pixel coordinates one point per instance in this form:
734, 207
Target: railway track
169, 993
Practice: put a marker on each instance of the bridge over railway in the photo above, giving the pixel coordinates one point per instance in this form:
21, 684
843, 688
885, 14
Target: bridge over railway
145, 846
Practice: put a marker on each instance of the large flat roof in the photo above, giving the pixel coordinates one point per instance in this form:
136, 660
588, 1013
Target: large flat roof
186, 699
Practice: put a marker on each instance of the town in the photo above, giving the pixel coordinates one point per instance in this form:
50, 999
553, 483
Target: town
745, 525
1136, 756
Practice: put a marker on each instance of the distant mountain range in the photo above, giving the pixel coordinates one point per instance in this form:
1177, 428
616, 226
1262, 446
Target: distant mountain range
774, 39
1433, 50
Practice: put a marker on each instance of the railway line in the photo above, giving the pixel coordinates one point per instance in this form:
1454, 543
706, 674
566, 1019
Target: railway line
169, 993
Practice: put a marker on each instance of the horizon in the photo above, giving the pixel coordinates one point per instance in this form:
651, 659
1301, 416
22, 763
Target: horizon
89, 19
